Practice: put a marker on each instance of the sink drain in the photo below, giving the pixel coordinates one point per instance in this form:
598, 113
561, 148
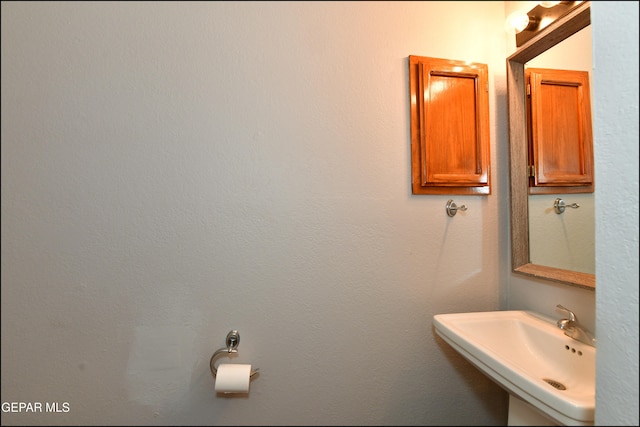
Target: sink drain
555, 384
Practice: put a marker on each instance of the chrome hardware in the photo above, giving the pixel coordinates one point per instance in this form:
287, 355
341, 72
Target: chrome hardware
233, 339
573, 330
452, 208
565, 324
559, 205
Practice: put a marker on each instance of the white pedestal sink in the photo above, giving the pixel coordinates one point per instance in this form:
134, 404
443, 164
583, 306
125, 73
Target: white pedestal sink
530, 357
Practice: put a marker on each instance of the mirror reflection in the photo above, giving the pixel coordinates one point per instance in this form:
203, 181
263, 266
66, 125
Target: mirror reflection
564, 240
564, 27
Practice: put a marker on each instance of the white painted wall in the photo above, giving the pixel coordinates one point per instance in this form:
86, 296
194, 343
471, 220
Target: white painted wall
615, 35
171, 171
175, 170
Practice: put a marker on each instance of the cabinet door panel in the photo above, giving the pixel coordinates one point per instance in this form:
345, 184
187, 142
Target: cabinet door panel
561, 141
449, 127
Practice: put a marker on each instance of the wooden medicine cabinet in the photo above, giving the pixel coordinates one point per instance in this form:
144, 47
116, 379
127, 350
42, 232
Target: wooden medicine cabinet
449, 127
559, 131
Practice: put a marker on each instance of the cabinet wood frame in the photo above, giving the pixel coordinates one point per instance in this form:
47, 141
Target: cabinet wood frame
450, 135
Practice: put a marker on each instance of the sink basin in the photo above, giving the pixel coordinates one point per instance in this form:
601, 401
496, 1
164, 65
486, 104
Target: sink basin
530, 357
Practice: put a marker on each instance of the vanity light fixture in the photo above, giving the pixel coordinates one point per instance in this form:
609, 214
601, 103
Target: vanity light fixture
518, 21
526, 25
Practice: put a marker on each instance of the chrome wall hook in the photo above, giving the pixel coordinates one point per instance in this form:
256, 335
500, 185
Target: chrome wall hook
233, 340
559, 205
452, 208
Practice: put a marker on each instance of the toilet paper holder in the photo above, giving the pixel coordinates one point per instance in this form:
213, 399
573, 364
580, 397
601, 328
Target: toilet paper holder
233, 339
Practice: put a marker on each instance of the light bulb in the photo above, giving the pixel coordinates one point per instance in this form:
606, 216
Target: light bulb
516, 22
548, 4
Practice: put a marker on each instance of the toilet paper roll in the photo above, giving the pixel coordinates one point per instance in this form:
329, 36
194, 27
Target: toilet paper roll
233, 378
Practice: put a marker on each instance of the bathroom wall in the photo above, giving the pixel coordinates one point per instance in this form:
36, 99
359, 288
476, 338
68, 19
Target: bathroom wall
175, 170
615, 34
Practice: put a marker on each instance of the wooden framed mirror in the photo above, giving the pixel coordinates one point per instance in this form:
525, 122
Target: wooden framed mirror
565, 26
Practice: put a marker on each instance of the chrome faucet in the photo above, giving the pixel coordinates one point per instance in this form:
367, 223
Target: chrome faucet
573, 330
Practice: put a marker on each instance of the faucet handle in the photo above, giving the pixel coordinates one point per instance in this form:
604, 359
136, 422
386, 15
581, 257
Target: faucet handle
572, 317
